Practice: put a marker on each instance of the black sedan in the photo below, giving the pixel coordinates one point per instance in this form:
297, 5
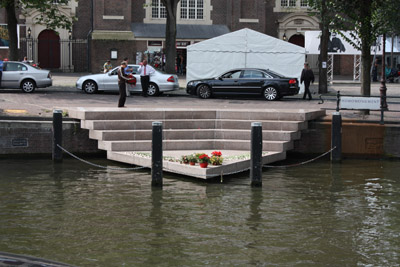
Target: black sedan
266, 83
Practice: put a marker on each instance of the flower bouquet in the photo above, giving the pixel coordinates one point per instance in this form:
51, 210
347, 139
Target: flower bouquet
204, 159
216, 158
192, 159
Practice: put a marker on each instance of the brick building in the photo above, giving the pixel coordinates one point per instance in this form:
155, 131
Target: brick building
130, 28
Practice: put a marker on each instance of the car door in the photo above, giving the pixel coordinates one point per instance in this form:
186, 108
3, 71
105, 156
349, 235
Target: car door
227, 83
13, 73
251, 81
109, 80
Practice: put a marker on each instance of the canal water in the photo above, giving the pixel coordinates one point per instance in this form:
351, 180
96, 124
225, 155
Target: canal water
317, 214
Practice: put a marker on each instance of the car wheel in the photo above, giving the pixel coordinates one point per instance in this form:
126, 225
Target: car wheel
90, 87
204, 91
28, 86
270, 93
152, 90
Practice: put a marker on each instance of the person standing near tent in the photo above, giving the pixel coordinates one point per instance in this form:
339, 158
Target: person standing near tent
307, 76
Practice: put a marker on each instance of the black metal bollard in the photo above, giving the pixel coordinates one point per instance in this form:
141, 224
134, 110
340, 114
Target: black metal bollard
57, 135
336, 138
157, 155
256, 154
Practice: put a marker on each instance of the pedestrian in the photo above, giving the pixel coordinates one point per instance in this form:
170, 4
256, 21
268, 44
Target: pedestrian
25, 60
307, 76
122, 79
375, 71
178, 65
1, 70
107, 66
145, 71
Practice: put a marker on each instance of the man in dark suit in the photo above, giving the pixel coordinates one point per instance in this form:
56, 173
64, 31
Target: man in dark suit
307, 76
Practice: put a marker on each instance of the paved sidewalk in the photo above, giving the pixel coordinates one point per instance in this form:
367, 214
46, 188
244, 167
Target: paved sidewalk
64, 95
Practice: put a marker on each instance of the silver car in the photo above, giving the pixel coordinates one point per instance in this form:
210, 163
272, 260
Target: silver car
159, 82
24, 76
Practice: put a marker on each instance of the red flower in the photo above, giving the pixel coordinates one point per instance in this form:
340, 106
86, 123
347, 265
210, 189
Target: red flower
217, 153
204, 158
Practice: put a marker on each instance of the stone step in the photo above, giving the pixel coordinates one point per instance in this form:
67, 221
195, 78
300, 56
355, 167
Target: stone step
171, 134
192, 124
195, 144
169, 113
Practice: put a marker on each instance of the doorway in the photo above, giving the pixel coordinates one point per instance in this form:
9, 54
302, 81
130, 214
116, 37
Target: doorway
297, 39
49, 50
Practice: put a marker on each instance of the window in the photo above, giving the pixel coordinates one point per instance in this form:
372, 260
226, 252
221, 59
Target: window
288, 3
252, 74
11, 66
232, 74
303, 3
192, 9
158, 10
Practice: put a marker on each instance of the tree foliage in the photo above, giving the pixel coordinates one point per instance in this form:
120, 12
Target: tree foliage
365, 20
49, 16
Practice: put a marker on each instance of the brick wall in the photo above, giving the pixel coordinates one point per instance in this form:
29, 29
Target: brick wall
138, 12
117, 8
82, 26
101, 52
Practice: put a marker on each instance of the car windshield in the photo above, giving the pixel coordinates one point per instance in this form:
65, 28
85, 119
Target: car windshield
133, 67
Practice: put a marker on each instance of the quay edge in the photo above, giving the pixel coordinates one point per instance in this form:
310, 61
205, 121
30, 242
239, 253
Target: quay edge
25, 138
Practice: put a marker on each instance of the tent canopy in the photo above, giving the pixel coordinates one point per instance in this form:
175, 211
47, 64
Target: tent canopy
243, 49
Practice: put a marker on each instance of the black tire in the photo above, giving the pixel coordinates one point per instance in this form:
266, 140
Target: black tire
270, 93
90, 87
204, 91
28, 86
153, 90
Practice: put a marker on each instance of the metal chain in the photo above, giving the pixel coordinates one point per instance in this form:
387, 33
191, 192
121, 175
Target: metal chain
301, 163
96, 165
203, 175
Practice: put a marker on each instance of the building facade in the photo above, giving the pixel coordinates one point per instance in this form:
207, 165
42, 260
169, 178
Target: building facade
136, 28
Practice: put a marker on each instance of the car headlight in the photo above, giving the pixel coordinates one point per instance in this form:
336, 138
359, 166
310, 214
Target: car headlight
190, 84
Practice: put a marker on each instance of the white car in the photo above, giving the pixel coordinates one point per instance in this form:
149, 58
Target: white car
159, 82
22, 75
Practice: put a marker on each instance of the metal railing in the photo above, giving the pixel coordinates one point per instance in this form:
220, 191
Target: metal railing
382, 109
68, 55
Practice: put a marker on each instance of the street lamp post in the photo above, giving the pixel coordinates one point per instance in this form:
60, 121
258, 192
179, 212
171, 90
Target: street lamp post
29, 42
383, 89
69, 49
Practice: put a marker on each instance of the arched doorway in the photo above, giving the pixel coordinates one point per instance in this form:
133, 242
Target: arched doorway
297, 39
49, 50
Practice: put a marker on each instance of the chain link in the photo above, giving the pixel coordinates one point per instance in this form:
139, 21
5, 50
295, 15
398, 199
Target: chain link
203, 175
97, 165
301, 163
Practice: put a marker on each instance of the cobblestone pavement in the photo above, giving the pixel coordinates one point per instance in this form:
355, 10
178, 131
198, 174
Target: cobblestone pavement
63, 95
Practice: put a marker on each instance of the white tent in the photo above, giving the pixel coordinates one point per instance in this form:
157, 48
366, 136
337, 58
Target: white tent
243, 49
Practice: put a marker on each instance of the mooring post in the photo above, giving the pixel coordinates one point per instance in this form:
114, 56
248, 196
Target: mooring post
256, 154
156, 155
336, 139
57, 135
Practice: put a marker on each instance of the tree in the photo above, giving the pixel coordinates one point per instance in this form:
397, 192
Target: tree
50, 16
362, 18
171, 7
326, 16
